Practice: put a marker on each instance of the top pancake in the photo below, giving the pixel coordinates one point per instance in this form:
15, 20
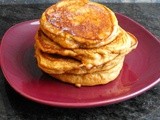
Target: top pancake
79, 24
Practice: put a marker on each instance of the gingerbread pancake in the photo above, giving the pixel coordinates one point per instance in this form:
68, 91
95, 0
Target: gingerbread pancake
91, 79
97, 56
80, 42
79, 24
57, 64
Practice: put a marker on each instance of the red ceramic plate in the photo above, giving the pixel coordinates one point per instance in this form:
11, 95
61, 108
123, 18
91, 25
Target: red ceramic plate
140, 72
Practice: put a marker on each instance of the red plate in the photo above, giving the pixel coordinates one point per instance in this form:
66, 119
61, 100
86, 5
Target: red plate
140, 72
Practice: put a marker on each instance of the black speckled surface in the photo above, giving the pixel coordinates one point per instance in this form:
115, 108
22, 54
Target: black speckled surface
143, 107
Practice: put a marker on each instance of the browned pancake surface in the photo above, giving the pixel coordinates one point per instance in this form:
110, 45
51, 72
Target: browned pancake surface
79, 24
89, 21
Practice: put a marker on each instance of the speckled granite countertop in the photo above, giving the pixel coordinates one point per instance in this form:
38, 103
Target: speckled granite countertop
143, 107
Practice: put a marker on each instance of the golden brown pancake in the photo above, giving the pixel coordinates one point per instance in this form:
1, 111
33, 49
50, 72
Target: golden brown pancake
79, 24
91, 79
89, 57
54, 64
80, 42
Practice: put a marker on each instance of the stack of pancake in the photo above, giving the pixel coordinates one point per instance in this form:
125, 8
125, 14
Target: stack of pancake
80, 42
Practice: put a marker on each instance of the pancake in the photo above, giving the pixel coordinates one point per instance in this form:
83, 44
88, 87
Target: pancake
91, 79
54, 64
79, 24
81, 43
89, 57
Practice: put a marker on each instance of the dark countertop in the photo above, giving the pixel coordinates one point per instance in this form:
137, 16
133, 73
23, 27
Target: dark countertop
143, 107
